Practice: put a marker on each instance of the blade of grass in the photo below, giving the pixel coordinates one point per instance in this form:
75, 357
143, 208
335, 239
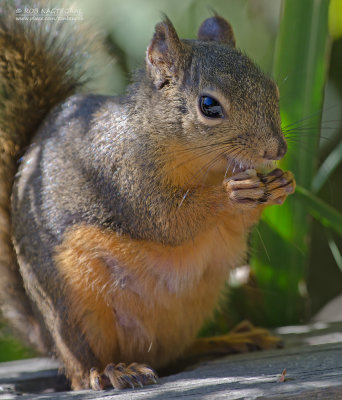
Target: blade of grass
300, 57
327, 168
334, 250
320, 210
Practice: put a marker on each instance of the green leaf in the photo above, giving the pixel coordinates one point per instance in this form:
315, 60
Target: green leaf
301, 57
320, 210
273, 277
327, 168
334, 249
300, 66
335, 18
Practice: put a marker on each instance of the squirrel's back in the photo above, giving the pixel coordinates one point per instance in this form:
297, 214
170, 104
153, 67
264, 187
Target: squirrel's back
37, 71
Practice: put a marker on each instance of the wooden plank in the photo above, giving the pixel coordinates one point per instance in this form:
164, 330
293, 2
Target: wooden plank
312, 357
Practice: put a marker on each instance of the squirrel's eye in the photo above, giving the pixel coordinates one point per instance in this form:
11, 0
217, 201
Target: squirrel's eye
210, 107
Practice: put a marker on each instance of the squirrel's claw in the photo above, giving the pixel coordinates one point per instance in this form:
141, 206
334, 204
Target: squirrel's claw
121, 376
96, 380
279, 185
248, 189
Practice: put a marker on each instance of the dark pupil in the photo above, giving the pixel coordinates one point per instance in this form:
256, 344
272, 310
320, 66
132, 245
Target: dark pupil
210, 107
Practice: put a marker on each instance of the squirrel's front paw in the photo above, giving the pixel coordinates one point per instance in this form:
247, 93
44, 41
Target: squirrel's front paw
121, 376
249, 188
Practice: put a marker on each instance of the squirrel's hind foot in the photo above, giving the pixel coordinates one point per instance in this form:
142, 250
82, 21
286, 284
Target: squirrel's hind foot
121, 376
245, 337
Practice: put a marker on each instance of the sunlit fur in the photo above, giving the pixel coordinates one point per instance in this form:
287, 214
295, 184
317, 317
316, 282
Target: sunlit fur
126, 216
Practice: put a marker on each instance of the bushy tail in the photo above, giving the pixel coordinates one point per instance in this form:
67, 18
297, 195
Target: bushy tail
41, 63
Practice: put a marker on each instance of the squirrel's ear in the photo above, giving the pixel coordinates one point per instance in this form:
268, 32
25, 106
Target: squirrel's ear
216, 29
164, 53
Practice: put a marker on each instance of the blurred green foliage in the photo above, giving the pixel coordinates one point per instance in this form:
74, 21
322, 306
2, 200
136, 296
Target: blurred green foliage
335, 18
12, 349
286, 284
301, 58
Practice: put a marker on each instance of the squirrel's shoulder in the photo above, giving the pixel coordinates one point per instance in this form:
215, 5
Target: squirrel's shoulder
79, 110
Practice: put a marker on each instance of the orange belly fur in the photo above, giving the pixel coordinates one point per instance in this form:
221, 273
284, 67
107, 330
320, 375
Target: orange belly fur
143, 301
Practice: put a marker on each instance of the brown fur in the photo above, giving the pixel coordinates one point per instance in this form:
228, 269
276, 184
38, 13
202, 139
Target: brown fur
29, 88
128, 213
14, 302
116, 285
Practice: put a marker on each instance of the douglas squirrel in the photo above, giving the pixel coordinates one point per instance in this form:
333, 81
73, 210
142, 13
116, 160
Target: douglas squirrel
126, 215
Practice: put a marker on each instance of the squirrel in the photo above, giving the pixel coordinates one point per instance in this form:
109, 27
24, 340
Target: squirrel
126, 214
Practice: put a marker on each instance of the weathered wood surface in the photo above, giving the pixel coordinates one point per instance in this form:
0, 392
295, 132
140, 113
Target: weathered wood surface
312, 357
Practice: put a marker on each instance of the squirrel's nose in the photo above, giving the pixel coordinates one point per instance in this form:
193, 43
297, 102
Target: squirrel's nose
282, 150
270, 155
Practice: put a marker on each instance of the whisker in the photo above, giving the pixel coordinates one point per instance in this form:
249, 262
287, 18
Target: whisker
184, 197
206, 167
199, 155
214, 144
263, 244
228, 152
310, 116
229, 163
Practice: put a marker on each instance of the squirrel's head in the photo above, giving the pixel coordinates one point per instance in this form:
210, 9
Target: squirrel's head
219, 105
